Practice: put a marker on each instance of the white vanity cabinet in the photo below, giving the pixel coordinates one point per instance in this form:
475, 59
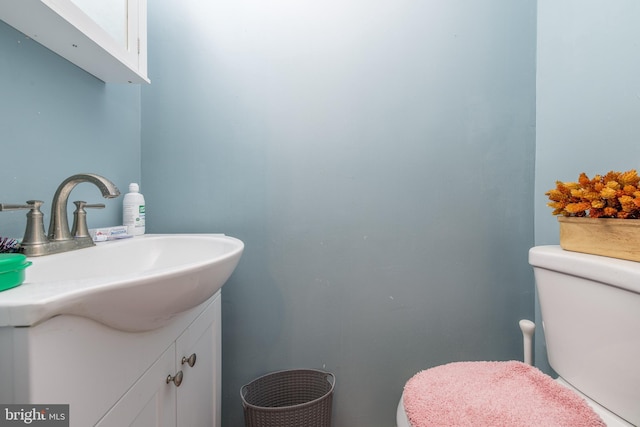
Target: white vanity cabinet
113, 378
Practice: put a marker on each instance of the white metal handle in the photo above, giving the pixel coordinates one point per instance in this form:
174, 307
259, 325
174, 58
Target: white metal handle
527, 327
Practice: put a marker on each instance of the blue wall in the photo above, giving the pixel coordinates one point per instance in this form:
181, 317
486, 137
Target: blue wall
376, 158
588, 100
56, 120
368, 157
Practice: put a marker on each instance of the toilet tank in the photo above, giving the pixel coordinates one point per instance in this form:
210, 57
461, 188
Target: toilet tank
591, 318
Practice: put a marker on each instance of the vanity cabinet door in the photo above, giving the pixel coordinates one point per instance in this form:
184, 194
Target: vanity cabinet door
150, 402
198, 398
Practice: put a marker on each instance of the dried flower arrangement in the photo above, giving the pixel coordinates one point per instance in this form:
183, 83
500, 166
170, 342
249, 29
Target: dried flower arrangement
614, 195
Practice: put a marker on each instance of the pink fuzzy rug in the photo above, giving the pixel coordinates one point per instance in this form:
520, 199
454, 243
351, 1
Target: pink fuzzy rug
493, 394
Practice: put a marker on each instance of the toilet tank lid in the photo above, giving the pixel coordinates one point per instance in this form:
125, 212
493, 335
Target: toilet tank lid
612, 271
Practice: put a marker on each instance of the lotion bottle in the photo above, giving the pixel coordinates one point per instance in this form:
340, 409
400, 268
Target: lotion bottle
133, 211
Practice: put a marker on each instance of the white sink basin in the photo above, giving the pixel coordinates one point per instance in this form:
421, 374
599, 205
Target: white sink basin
135, 284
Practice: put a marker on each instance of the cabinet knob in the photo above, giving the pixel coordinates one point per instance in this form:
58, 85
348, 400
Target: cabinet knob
176, 379
191, 360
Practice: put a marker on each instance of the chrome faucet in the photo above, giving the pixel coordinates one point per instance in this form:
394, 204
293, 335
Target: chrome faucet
59, 225
59, 237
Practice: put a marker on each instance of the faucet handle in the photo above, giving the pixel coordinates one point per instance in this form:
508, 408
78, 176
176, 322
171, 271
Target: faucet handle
34, 234
30, 205
80, 228
81, 205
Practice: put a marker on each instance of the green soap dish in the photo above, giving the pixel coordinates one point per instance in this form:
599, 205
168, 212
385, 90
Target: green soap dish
12, 268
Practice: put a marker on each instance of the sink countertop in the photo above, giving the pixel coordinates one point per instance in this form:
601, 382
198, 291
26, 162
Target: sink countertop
130, 284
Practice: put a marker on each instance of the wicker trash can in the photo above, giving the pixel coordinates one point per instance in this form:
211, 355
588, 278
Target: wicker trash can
293, 398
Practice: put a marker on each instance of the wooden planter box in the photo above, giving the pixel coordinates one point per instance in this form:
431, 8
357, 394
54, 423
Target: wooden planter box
616, 238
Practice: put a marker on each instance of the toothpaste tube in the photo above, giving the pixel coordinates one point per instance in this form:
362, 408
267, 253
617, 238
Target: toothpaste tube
109, 233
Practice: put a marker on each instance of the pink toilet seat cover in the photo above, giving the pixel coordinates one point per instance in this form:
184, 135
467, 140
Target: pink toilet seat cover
493, 394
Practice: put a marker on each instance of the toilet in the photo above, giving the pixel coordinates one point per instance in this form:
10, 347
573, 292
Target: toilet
590, 308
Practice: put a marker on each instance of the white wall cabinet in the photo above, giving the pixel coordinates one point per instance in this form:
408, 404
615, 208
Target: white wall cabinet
113, 55
116, 379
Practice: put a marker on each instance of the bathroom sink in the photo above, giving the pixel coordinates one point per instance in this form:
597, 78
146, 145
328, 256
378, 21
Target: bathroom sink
135, 284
